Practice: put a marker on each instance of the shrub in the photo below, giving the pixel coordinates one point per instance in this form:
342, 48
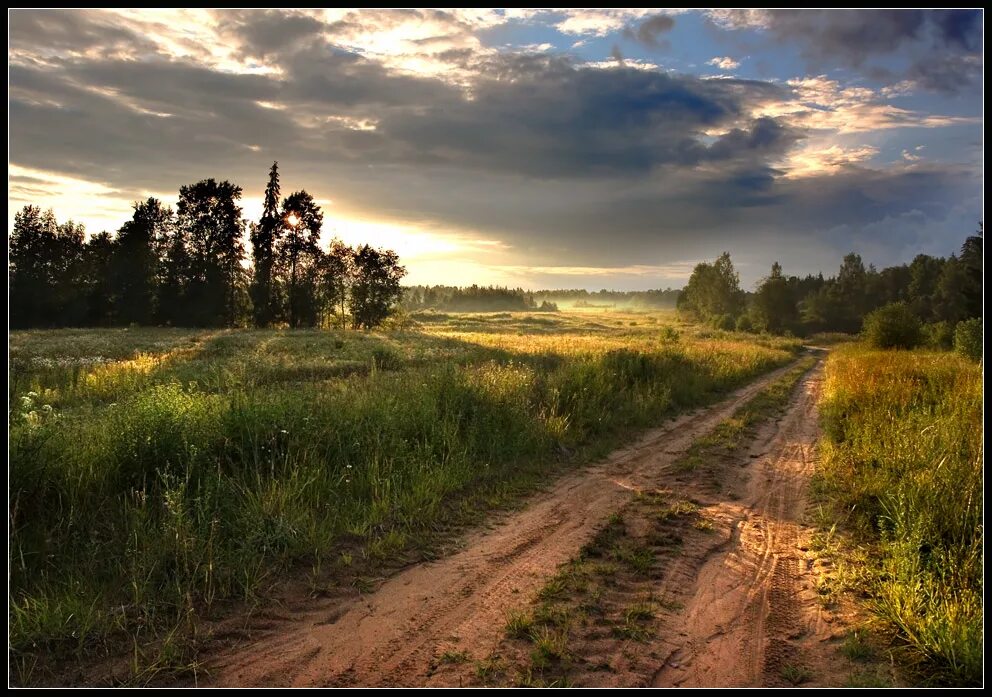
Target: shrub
724, 322
939, 335
892, 326
968, 338
744, 324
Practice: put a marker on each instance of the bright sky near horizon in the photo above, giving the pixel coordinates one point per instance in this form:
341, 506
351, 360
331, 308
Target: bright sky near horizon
540, 148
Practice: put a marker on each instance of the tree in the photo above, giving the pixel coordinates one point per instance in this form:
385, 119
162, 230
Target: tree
713, 291
299, 257
211, 224
376, 286
924, 275
134, 268
98, 258
893, 326
339, 269
175, 276
773, 305
45, 263
972, 263
264, 238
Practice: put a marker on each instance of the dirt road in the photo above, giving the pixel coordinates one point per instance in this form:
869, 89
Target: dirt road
746, 611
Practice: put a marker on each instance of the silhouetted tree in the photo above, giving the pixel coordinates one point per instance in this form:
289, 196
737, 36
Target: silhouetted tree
299, 258
98, 258
134, 269
264, 239
212, 227
376, 286
45, 265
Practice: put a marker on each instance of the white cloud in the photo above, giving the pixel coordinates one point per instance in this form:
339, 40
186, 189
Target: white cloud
724, 63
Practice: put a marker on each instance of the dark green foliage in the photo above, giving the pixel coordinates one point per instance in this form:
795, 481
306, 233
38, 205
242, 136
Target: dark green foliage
893, 326
376, 285
774, 303
968, 339
713, 292
939, 335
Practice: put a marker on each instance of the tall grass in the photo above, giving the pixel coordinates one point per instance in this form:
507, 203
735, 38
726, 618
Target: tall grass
904, 455
145, 489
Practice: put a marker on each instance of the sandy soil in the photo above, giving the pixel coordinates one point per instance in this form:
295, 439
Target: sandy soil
752, 610
396, 635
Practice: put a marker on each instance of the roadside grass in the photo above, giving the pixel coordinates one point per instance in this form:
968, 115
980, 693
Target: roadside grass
157, 474
902, 472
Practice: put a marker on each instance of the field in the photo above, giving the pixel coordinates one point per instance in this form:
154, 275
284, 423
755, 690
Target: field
903, 463
157, 473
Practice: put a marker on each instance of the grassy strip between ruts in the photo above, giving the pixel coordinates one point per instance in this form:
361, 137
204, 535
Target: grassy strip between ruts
902, 471
610, 583
138, 505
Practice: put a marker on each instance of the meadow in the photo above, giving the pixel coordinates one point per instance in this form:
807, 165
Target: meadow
156, 474
903, 463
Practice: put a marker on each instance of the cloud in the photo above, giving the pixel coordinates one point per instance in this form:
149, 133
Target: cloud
724, 63
515, 157
942, 48
648, 31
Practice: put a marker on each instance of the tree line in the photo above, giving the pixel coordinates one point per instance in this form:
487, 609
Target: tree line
473, 298
477, 298
187, 267
938, 292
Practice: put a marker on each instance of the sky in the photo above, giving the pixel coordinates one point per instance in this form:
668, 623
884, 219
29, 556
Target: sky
538, 148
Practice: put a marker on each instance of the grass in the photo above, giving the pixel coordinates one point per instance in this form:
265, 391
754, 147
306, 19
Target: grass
156, 474
732, 433
856, 647
454, 657
902, 466
796, 674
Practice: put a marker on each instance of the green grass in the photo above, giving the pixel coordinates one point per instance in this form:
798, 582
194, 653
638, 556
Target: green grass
157, 473
796, 674
903, 468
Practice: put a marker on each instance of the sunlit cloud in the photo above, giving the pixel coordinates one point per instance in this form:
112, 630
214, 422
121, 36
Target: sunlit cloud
813, 160
724, 62
97, 206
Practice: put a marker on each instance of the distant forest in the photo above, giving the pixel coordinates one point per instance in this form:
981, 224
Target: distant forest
938, 293
500, 299
187, 267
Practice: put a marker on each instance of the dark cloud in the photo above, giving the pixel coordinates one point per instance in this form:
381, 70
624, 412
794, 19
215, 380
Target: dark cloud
265, 32
649, 30
47, 32
942, 48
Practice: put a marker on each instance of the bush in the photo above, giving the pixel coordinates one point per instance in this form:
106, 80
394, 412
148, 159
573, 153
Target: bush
724, 322
744, 324
939, 335
892, 326
968, 339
